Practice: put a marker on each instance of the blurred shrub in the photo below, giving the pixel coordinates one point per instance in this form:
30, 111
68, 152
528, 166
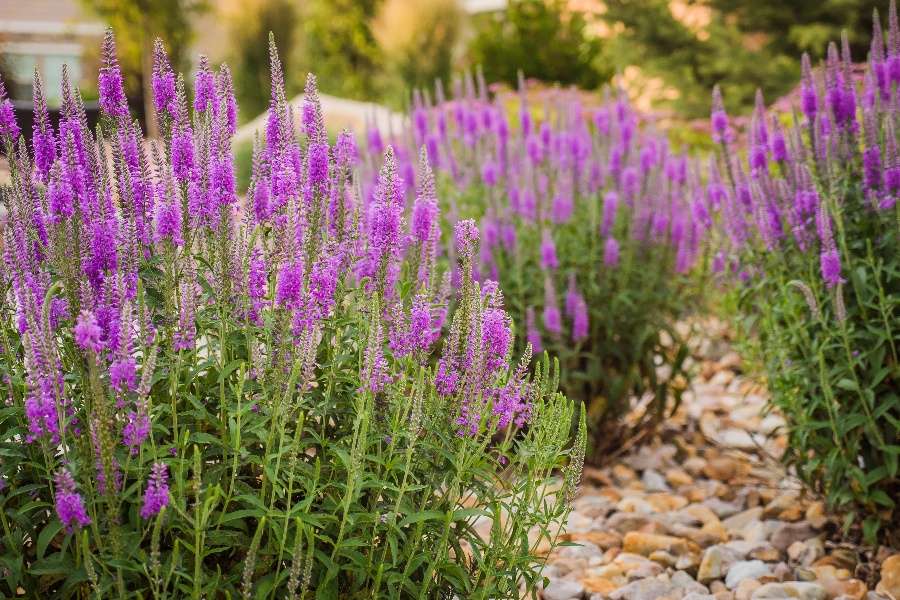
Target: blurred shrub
812, 231
543, 39
249, 22
336, 43
419, 40
589, 228
741, 45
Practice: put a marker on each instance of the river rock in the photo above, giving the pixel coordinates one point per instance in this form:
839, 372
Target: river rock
791, 589
563, 589
890, 577
747, 569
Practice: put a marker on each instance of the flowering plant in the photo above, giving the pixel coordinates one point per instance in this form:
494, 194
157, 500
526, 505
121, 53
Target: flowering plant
208, 396
591, 225
811, 226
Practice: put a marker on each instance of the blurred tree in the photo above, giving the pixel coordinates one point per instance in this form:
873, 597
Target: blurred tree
137, 24
418, 39
336, 43
740, 44
250, 23
543, 38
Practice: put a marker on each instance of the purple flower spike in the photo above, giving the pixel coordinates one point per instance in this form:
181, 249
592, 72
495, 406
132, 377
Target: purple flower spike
611, 252
204, 87
163, 82
112, 94
69, 504
156, 497
809, 99
549, 261
8, 126
88, 332
718, 117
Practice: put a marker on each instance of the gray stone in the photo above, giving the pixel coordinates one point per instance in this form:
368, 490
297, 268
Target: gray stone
563, 589
715, 563
722, 509
788, 533
736, 523
645, 589
654, 481
686, 583
790, 589
747, 569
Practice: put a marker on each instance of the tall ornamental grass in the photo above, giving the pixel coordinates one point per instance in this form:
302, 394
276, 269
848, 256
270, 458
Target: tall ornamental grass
591, 224
277, 397
811, 226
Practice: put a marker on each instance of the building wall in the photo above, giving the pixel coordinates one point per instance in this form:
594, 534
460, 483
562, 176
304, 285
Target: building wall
47, 34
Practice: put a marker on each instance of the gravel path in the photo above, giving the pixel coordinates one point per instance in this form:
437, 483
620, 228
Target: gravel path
706, 512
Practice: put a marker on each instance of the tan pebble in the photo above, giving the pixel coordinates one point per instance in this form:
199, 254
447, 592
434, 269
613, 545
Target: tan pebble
663, 502
695, 465
623, 474
598, 585
765, 554
840, 558
890, 577
724, 595
754, 499
746, 588
678, 477
647, 543
815, 514
596, 476
702, 513
611, 554
795, 513
851, 588
602, 539
716, 531
696, 495
611, 493
721, 469
664, 558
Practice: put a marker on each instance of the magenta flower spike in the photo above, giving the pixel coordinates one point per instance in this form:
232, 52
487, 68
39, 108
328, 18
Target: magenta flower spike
112, 93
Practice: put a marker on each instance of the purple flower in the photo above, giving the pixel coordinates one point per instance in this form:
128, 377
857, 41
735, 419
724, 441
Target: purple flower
552, 318
8, 126
168, 222
136, 430
69, 505
122, 374
580, 321
88, 332
112, 94
611, 252
610, 208
718, 117
163, 82
830, 265
549, 261
156, 496
496, 334
43, 141
182, 153
204, 87
465, 235
533, 334
489, 173
345, 152
809, 99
